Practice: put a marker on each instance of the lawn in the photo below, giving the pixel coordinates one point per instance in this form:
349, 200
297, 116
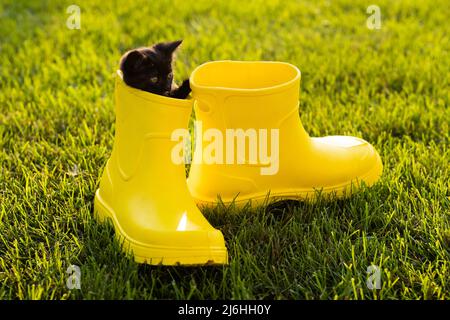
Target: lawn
389, 86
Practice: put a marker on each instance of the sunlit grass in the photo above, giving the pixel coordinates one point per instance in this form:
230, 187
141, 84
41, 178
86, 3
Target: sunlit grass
389, 86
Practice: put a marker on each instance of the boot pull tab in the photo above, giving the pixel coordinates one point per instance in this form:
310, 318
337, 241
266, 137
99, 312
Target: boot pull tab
204, 104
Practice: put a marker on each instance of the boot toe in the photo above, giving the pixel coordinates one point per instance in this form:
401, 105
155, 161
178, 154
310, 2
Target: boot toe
354, 159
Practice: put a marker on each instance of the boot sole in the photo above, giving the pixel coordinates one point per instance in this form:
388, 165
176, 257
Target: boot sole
158, 255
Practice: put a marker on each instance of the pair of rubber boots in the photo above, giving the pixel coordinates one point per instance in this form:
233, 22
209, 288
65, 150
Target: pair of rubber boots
256, 151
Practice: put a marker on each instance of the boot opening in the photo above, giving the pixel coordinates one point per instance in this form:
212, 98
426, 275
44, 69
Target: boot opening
244, 75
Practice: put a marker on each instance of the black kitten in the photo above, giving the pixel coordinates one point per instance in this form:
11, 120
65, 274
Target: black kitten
150, 69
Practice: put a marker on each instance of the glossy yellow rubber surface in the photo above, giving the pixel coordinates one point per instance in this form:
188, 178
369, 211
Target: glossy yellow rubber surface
145, 194
265, 95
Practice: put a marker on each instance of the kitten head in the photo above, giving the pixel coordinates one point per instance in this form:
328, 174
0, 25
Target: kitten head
150, 69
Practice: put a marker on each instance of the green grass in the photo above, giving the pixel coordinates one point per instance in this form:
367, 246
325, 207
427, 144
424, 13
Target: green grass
389, 86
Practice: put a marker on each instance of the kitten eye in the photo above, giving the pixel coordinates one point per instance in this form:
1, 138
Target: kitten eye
154, 79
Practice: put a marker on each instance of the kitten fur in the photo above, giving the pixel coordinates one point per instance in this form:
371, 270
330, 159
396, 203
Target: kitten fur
150, 69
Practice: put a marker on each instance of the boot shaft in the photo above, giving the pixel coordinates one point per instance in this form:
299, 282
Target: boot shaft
145, 123
254, 107
237, 94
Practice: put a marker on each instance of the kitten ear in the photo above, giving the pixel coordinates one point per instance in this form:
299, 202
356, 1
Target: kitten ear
168, 47
132, 60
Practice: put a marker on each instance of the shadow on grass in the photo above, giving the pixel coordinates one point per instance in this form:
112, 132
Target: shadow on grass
257, 238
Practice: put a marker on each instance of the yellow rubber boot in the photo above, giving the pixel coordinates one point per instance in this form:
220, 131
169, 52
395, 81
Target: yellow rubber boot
237, 105
144, 192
